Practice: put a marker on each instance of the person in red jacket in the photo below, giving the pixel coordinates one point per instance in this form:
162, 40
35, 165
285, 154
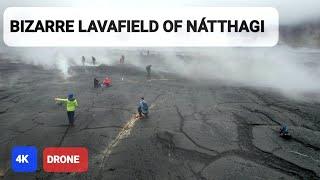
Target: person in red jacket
107, 82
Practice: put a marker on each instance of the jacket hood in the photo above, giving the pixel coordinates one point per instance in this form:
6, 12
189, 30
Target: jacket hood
71, 99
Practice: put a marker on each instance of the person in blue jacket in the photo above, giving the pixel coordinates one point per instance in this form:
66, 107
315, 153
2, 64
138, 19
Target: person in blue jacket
143, 108
284, 132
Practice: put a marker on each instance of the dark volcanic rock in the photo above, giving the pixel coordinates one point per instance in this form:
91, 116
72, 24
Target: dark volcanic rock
193, 131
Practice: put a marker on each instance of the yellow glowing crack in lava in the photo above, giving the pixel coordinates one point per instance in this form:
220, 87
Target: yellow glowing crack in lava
162, 79
4, 171
135, 81
123, 133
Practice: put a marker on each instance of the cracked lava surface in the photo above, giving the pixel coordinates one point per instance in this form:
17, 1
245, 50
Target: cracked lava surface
195, 131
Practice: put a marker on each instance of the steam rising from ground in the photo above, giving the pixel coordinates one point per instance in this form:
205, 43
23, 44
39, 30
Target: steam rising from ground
293, 72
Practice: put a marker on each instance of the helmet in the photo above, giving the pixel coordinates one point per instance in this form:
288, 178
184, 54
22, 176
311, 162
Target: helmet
70, 95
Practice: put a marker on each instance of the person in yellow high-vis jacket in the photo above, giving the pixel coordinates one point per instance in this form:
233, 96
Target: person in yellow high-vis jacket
71, 104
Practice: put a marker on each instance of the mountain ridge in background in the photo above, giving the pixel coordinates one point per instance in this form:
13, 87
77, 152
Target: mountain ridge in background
305, 34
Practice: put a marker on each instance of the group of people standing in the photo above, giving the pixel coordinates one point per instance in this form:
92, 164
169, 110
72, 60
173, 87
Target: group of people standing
71, 102
93, 59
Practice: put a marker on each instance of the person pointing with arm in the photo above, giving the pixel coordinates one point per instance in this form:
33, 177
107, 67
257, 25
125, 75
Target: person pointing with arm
71, 104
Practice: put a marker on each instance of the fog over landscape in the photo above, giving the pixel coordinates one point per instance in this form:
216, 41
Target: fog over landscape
214, 113
282, 67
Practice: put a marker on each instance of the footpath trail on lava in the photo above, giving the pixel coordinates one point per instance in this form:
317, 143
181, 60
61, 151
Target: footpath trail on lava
195, 131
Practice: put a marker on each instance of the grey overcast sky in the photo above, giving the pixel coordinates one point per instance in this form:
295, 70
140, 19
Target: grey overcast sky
291, 11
